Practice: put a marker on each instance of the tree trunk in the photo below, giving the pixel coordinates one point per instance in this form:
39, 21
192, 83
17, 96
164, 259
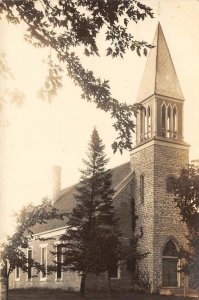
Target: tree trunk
82, 285
109, 282
7, 288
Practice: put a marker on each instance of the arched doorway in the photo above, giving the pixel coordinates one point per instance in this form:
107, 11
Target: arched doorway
170, 265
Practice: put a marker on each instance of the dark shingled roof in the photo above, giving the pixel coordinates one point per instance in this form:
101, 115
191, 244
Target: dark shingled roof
66, 201
159, 76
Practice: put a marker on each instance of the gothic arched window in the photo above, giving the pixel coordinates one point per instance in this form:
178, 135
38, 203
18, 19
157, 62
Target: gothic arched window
170, 265
143, 123
148, 122
175, 122
163, 119
170, 249
169, 121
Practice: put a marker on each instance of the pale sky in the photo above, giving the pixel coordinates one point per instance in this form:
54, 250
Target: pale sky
39, 135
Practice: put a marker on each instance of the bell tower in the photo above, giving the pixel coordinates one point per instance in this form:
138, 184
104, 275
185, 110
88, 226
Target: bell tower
157, 158
161, 95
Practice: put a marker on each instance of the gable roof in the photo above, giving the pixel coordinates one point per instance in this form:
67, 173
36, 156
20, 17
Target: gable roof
159, 75
66, 201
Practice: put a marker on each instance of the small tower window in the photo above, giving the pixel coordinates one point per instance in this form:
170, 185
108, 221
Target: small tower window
170, 184
163, 120
142, 188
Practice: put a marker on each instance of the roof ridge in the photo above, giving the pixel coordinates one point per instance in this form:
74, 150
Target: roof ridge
122, 184
67, 189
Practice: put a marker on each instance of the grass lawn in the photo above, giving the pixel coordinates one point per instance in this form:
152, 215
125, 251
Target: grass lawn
33, 294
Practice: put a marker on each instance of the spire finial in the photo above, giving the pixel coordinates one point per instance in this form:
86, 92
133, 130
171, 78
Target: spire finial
158, 10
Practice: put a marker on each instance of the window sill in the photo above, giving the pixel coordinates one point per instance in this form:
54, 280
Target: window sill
58, 279
43, 279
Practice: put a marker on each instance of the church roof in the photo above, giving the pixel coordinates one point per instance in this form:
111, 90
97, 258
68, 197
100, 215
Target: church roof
66, 201
159, 75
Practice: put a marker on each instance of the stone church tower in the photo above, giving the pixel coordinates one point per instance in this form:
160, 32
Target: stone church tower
159, 155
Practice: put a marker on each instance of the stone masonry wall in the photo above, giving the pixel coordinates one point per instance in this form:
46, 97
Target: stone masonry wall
142, 162
123, 210
167, 222
157, 215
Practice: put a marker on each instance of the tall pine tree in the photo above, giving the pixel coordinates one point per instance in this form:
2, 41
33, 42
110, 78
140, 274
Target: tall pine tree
92, 237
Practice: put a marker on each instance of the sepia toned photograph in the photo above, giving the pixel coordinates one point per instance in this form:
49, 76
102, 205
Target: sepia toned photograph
99, 149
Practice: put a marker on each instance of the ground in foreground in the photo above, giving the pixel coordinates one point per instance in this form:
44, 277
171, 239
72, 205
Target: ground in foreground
46, 294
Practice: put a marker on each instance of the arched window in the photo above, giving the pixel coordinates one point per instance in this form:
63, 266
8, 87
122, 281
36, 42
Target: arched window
175, 123
163, 120
170, 265
169, 122
170, 249
148, 122
143, 124
170, 184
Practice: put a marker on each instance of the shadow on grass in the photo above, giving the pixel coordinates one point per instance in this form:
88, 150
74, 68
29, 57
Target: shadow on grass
56, 294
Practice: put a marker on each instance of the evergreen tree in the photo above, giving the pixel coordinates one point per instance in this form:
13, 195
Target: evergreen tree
92, 237
187, 200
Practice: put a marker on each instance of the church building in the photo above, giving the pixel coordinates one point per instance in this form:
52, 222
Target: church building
157, 158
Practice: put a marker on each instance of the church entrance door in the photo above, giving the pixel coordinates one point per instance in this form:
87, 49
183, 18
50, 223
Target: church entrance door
170, 265
169, 272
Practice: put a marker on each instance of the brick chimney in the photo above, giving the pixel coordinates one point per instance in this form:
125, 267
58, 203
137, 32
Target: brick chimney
56, 183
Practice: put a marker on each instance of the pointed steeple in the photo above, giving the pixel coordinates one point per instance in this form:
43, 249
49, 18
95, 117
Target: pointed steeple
159, 75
